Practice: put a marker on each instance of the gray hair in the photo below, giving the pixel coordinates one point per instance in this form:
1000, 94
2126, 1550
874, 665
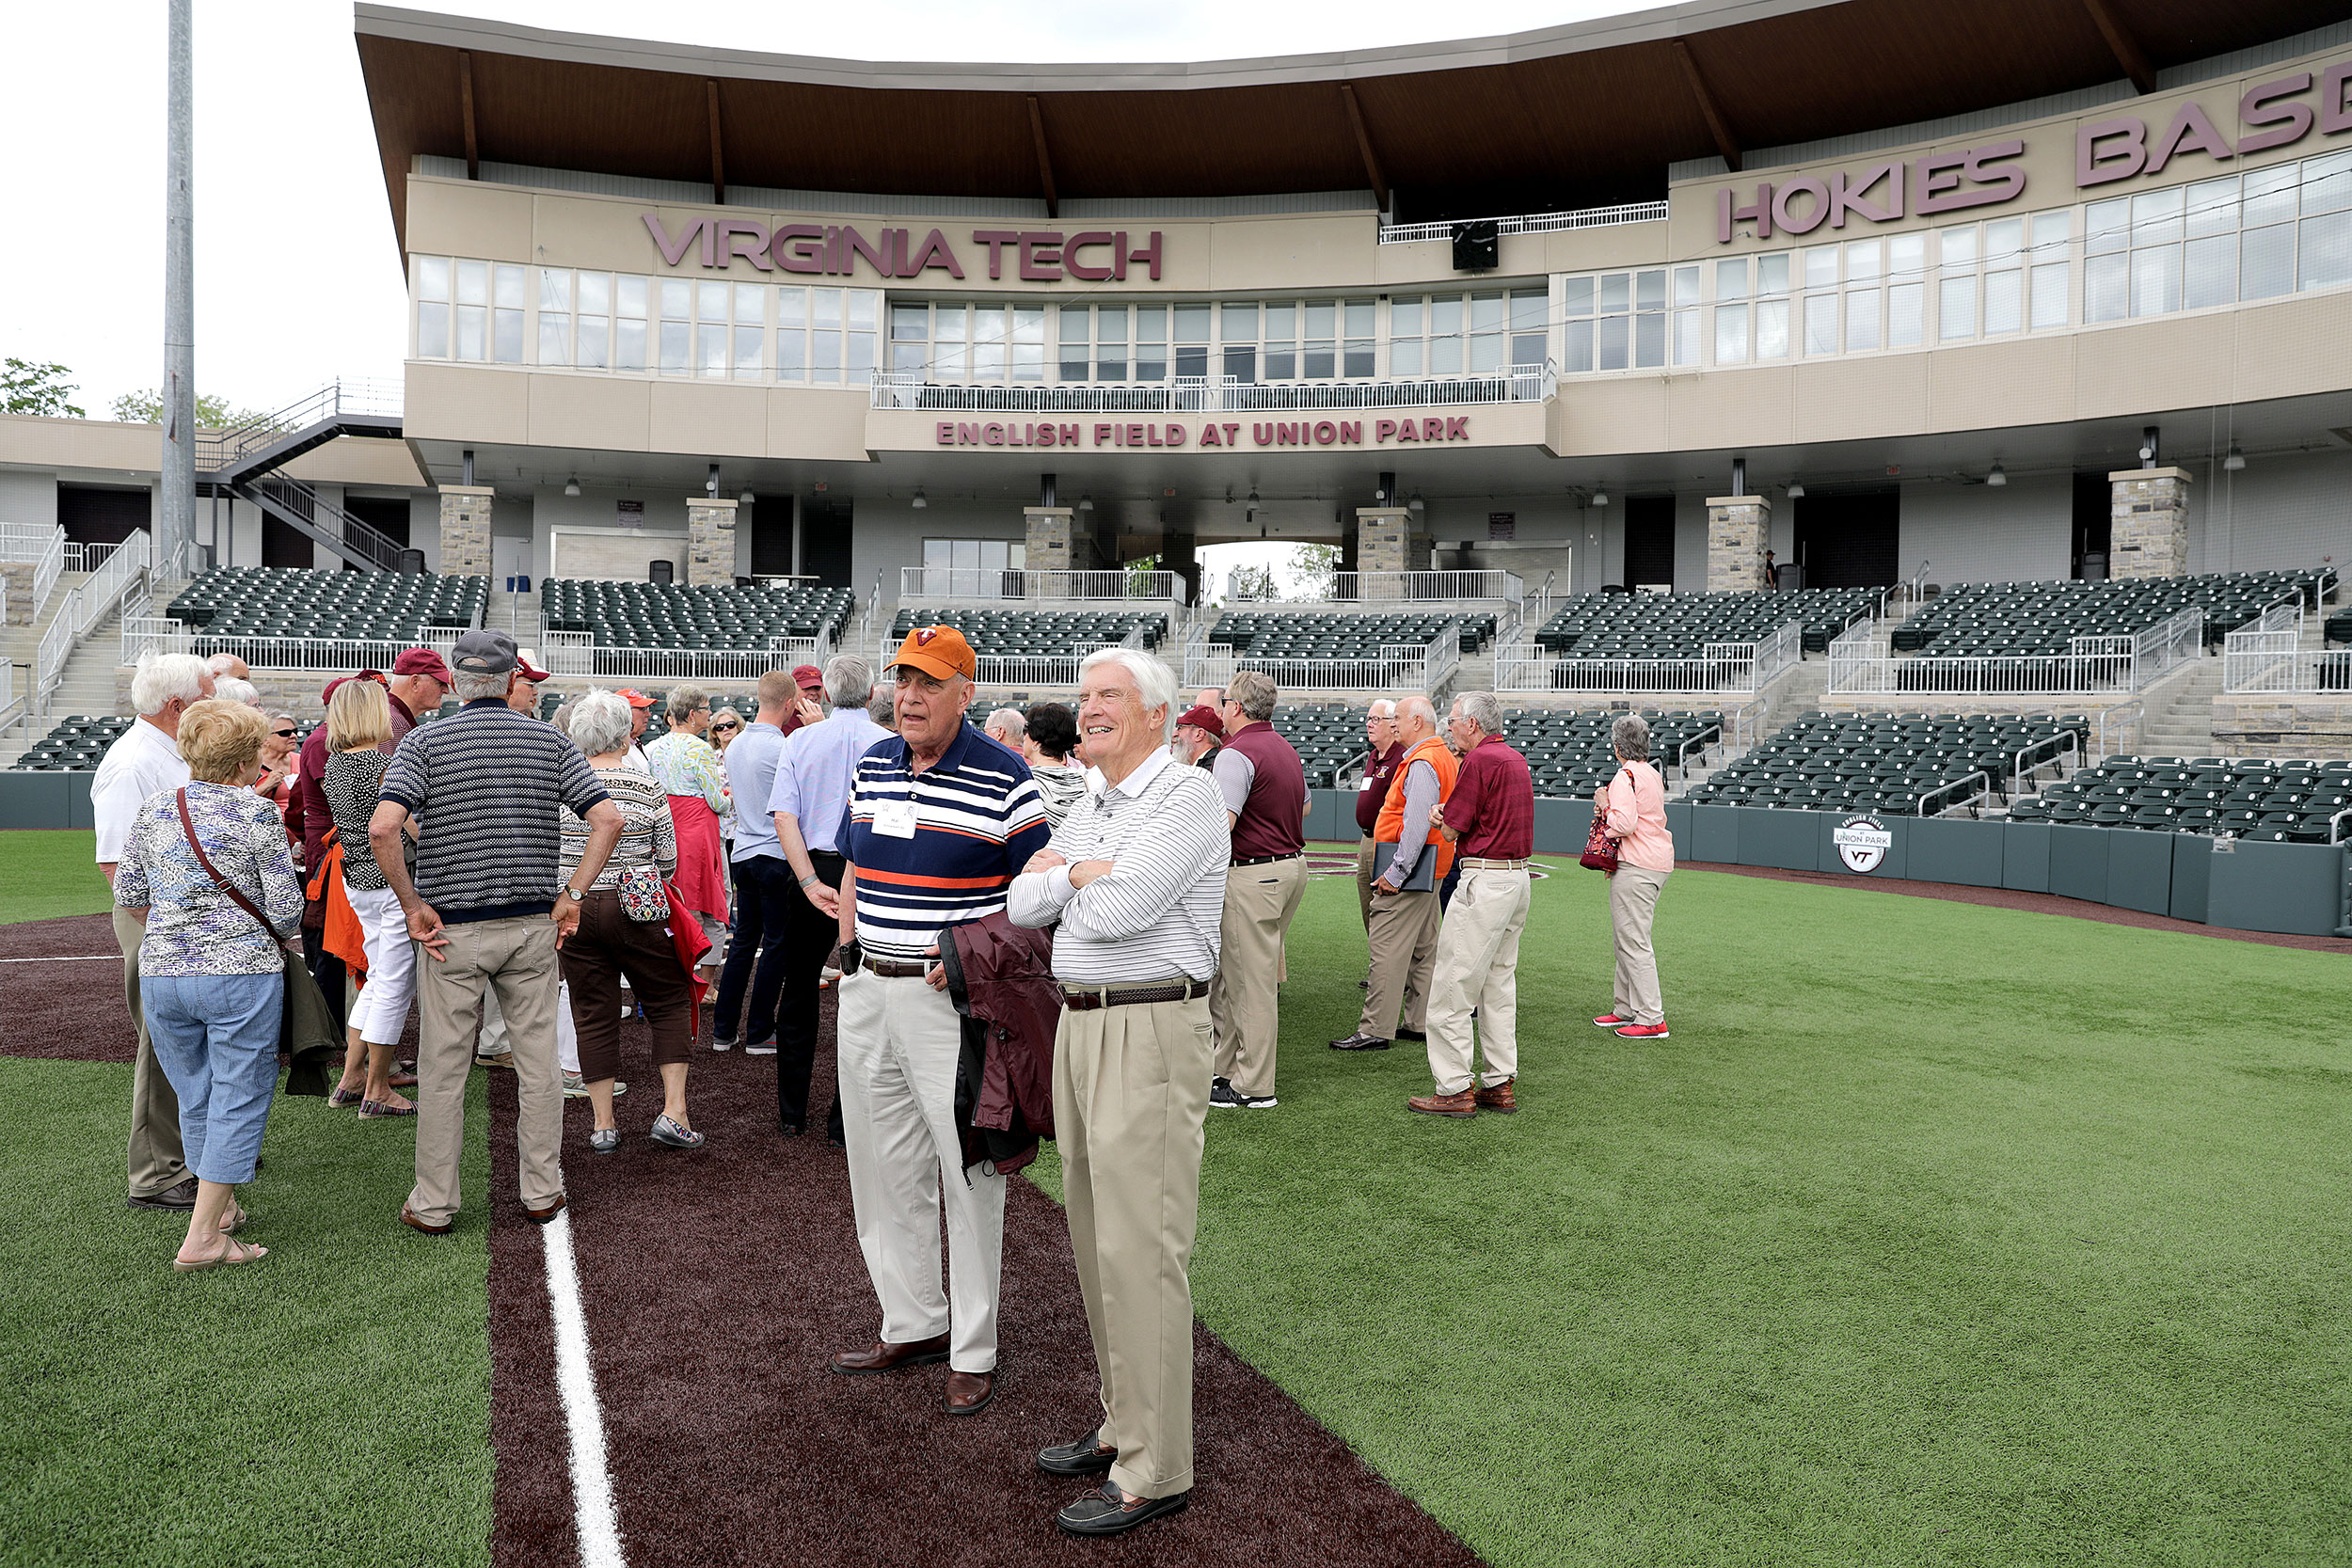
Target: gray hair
1379, 702
223, 663
1630, 738
848, 680
600, 723
1481, 709
163, 676
1417, 706
228, 689
884, 710
469, 685
1253, 692
279, 716
562, 716
1007, 724
1155, 683
684, 700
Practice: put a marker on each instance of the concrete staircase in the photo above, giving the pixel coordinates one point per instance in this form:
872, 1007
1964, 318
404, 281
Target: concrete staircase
19, 645
2178, 715
515, 614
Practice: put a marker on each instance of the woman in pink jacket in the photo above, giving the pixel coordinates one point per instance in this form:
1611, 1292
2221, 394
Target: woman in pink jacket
1634, 803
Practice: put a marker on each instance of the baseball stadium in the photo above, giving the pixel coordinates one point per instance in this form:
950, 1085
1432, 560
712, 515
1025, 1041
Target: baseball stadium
1889, 459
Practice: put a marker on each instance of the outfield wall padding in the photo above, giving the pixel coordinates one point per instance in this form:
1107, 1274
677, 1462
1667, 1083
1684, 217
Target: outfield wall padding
1955, 849
2192, 875
2025, 856
2139, 870
1894, 864
1784, 840
2297, 889
2078, 861
45, 799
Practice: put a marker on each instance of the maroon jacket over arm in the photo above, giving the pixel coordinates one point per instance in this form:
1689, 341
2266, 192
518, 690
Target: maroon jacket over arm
1001, 979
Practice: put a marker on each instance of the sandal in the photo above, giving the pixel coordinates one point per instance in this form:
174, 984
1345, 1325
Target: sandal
231, 1251
234, 1220
337, 1098
404, 1080
376, 1110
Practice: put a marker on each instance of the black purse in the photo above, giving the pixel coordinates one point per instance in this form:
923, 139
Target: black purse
306, 1030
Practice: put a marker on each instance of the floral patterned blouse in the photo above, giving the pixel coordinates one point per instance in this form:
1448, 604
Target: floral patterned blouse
687, 763
192, 926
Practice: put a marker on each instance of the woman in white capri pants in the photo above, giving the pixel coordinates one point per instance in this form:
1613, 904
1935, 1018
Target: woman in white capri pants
358, 724
1634, 803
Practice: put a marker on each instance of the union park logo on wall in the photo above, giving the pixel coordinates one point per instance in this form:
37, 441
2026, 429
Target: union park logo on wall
1862, 843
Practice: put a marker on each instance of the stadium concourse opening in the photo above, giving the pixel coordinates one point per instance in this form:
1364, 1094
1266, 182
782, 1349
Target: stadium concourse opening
1931, 422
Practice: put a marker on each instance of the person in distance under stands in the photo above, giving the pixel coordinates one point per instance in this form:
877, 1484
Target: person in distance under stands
1414, 858
1491, 817
1136, 878
940, 820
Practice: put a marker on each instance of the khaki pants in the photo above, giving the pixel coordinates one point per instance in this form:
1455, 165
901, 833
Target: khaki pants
1632, 904
1131, 1090
898, 1045
1404, 941
155, 1161
1477, 967
517, 957
1243, 1004
1367, 855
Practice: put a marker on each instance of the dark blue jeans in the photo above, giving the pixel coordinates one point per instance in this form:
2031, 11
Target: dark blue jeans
765, 890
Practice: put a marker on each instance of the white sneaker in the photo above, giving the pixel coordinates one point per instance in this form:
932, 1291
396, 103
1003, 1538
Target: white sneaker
764, 1048
717, 1044
576, 1087
831, 974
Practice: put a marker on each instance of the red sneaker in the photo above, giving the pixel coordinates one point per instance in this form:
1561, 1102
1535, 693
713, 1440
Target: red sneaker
1610, 1020
1644, 1032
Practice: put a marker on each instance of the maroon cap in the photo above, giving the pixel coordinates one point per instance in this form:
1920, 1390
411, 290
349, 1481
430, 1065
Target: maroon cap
423, 661
1202, 717
529, 670
328, 694
807, 676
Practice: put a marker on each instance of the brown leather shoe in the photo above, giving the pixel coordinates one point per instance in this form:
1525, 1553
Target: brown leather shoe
887, 1357
1462, 1105
540, 1216
1499, 1098
408, 1218
969, 1393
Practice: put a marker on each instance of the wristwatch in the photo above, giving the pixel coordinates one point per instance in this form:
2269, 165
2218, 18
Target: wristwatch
576, 896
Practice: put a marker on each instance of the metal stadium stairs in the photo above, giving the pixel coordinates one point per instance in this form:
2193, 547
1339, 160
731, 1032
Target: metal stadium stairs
246, 463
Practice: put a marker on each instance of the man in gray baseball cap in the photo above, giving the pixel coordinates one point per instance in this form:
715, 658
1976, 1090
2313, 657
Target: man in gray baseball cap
484, 785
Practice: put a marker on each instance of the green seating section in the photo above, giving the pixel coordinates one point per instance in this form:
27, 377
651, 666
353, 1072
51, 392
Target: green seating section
1679, 626
2338, 627
1988, 618
1885, 764
1342, 634
2279, 802
1036, 633
665, 616
80, 742
277, 601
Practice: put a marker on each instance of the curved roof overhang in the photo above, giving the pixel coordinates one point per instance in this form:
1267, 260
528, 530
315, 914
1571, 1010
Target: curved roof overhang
1580, 115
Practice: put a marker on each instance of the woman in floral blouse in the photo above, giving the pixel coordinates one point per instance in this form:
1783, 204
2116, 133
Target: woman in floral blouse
211, 974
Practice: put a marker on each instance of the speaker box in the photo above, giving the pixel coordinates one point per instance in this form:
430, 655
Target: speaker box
1477, 246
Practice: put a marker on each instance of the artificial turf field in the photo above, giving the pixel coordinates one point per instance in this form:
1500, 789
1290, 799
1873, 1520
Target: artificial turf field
1937, 1234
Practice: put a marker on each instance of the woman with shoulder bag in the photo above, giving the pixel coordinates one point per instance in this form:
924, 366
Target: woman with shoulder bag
1631, 808
207, 873
625, 929
358, 732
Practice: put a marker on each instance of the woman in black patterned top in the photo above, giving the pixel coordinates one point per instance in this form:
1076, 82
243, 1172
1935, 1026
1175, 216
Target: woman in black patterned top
358, 730
609, 945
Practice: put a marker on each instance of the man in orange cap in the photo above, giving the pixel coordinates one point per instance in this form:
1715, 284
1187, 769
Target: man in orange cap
941, 819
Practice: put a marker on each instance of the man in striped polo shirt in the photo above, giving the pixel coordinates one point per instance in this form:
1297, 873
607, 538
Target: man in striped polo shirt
940, 820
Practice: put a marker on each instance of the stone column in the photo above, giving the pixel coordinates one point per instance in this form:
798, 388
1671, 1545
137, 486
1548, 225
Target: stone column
1051, 548
1383, 544
1737, 527
466, 530
2148, 523
709, 541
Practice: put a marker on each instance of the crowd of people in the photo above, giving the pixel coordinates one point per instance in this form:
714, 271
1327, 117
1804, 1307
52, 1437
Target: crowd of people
1068, 922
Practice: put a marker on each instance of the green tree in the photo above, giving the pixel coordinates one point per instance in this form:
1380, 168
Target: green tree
1246, 583
211, 413
30, 389
1311, 570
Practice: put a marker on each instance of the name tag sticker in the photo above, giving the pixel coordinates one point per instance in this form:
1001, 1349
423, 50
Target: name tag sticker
895, 819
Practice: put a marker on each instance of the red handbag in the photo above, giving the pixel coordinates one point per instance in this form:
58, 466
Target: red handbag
1600, 850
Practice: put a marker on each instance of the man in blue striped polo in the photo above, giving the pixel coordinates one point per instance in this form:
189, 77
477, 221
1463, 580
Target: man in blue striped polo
940, 820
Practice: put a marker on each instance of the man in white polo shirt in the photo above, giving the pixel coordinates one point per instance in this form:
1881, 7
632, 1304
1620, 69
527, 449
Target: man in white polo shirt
144, 761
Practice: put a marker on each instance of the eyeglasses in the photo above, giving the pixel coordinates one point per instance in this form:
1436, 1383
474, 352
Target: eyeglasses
725, 724
283, 735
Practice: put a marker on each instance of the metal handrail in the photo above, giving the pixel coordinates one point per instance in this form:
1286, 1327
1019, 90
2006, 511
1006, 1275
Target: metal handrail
1448, 587
298, 498
1957, 784
2018, 765
1198, 394
2137, 707
355, 396
1117, 585
1530, 223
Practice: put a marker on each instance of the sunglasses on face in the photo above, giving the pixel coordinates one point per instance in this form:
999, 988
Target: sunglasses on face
725, 724
283, 735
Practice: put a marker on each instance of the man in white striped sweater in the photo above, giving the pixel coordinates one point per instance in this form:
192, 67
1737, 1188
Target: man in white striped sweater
1135, 879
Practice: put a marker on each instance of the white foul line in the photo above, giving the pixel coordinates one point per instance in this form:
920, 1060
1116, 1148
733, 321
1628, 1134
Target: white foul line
596, 1517
72, 959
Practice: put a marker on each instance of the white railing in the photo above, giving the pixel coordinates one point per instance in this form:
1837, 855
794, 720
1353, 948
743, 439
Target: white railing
154, 634
1028, 669
146, 634
123, 570
1445, 656
1440, 587
2113, 722
1732, 668
1531, 223
576, 654
7, 693
2170, 642
56, 647
86, 556
920, 583
1868, 667
49, 566
1197, 394
2285, 671
28, 541
2284, 616
1398, 667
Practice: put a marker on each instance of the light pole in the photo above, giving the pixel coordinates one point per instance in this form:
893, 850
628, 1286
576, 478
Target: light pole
177, 524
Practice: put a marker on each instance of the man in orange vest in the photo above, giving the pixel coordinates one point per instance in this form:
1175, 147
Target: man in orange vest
1413, 857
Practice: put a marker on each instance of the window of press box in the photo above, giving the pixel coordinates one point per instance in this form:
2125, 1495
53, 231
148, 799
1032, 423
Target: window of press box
1477, 334
957, 340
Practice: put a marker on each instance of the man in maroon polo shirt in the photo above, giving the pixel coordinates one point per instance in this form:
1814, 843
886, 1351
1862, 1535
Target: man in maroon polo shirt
1491, 818
1264, 786
1383, 755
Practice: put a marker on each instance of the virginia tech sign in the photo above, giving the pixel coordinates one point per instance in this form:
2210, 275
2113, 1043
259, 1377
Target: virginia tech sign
834, 250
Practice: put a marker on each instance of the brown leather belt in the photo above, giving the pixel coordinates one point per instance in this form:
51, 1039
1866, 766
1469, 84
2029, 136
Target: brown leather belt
1266, 860
1091, 997
1480, 863
895, 971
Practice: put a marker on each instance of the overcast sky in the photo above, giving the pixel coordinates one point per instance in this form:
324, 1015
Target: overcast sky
285, 157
